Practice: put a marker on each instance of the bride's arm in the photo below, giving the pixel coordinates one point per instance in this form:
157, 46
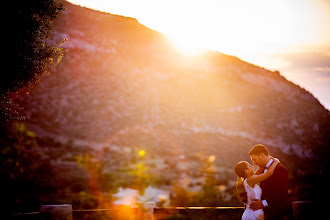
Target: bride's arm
261, 177
259, 171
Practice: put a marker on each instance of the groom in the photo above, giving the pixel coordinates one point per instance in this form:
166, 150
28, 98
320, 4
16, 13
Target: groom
274, 199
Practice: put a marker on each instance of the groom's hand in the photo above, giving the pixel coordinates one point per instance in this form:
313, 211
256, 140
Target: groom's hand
256, 204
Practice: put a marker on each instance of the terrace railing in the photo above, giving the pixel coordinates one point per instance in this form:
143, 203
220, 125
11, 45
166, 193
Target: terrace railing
148, 211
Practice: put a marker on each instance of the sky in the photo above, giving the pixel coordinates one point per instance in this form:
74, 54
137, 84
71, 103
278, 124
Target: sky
290, 36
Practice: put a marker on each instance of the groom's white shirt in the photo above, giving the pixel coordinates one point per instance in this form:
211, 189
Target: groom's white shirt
268, 165
264, 202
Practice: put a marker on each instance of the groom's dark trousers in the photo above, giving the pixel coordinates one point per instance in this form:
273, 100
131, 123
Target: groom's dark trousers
275, 192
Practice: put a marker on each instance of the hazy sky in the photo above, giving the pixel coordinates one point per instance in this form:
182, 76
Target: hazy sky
292, 36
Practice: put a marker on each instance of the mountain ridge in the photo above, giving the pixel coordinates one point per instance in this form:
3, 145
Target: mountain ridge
121, 83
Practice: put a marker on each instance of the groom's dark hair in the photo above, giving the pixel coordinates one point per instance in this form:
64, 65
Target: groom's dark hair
258, 149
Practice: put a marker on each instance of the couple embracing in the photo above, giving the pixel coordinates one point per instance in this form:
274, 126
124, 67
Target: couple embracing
264, 192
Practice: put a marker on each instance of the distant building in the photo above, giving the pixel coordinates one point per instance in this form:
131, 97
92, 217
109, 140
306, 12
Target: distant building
130, 196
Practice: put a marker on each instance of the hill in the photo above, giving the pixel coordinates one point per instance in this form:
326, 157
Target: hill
122, 84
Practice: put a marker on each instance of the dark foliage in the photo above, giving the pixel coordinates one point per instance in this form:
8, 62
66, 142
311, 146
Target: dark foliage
27, 178
30, 53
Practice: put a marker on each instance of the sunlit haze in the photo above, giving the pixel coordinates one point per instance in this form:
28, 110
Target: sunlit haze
292, 36
156, 105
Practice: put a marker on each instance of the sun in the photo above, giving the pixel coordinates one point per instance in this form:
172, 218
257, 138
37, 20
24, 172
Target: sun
187, 46
252, 30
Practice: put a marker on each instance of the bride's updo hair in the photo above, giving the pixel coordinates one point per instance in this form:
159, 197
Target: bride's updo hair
241, 176
240, 169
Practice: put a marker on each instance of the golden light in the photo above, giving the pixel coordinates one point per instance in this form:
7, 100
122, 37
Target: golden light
211, 159
186, 45
257, 31
247, 29
141, 153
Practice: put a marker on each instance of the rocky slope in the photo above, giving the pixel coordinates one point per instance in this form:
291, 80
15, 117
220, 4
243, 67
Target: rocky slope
123, 84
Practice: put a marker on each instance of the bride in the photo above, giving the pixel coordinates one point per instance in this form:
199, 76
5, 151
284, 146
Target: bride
248, 189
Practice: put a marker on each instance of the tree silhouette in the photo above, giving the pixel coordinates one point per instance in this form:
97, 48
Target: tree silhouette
30, 53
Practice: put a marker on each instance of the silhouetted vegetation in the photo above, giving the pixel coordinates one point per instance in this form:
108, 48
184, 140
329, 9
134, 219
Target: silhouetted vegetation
32, 53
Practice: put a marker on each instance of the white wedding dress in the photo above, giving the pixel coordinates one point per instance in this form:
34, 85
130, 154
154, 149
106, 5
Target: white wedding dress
252, 193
